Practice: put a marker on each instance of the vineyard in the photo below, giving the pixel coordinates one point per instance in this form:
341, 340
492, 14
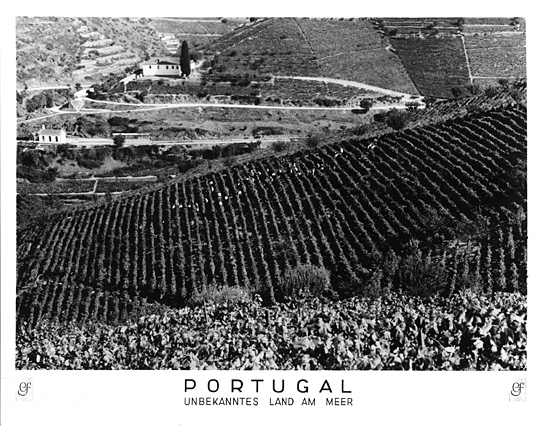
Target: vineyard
490, 98
441, 206
342, 49
437, 65
497, 55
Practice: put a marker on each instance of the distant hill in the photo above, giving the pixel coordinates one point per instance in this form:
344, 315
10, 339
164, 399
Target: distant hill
341, 49
444, 56
438, 57
199, 32
57, 51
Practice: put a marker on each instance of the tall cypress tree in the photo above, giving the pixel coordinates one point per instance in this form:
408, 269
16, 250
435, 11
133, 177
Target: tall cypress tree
184, 59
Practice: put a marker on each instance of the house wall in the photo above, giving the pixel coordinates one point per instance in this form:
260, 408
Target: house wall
159, 70
60, 138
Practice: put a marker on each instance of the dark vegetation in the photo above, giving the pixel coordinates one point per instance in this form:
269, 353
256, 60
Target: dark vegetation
184, 59
446, 200
391, 332
38, 171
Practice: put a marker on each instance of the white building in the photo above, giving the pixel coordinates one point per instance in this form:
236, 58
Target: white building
51, 135
162, 67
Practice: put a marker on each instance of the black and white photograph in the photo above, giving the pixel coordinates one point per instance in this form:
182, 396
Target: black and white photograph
275, 199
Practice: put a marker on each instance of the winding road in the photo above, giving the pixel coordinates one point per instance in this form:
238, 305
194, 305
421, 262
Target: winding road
152, 107
354, 84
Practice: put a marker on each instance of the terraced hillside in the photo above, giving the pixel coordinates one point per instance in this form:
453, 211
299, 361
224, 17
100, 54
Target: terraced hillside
437, 65
341, 49
450, 195
53, 51
489, 98
443, 56
66, 50
197, 31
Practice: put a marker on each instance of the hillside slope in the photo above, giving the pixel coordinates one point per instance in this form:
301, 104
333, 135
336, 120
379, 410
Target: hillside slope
56, 51
342, 49
445, 57
355, 209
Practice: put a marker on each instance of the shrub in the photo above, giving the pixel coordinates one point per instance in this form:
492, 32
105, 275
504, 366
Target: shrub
279, 146
304, 281
313, 140
360, 130
460, 22
187, 165
397, 119
229, 161
119, 140
517, 96
118, 121
391, 32
491, 91
365, 105
380, 117
420, 275
50, 174
475, 89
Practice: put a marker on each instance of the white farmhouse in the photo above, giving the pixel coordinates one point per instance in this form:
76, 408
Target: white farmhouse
161, 67
51, 135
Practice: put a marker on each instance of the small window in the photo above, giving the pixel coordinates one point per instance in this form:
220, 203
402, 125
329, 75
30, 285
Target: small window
49, 138
149, 66
166, 66
56, 138
158, 66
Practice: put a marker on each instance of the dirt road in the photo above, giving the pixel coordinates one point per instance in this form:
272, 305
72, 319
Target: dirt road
354, 84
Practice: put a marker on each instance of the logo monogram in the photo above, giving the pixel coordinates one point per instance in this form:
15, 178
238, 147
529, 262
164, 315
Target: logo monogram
517, 391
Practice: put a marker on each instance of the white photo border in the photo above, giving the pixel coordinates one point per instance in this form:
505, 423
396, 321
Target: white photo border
157, 397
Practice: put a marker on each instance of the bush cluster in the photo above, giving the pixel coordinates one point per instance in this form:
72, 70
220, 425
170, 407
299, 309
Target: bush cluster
394, 332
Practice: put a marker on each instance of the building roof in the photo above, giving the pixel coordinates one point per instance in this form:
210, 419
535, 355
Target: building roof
163, 60
51, 132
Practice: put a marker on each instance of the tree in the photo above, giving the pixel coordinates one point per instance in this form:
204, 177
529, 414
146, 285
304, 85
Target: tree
397, 119
119, 140
184, 59
365, 105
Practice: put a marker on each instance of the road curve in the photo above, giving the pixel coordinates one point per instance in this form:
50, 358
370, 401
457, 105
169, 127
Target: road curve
352, 84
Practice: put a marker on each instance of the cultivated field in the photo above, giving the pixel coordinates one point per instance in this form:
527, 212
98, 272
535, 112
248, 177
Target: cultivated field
437, 65
497, 55
342, 49
224, 229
